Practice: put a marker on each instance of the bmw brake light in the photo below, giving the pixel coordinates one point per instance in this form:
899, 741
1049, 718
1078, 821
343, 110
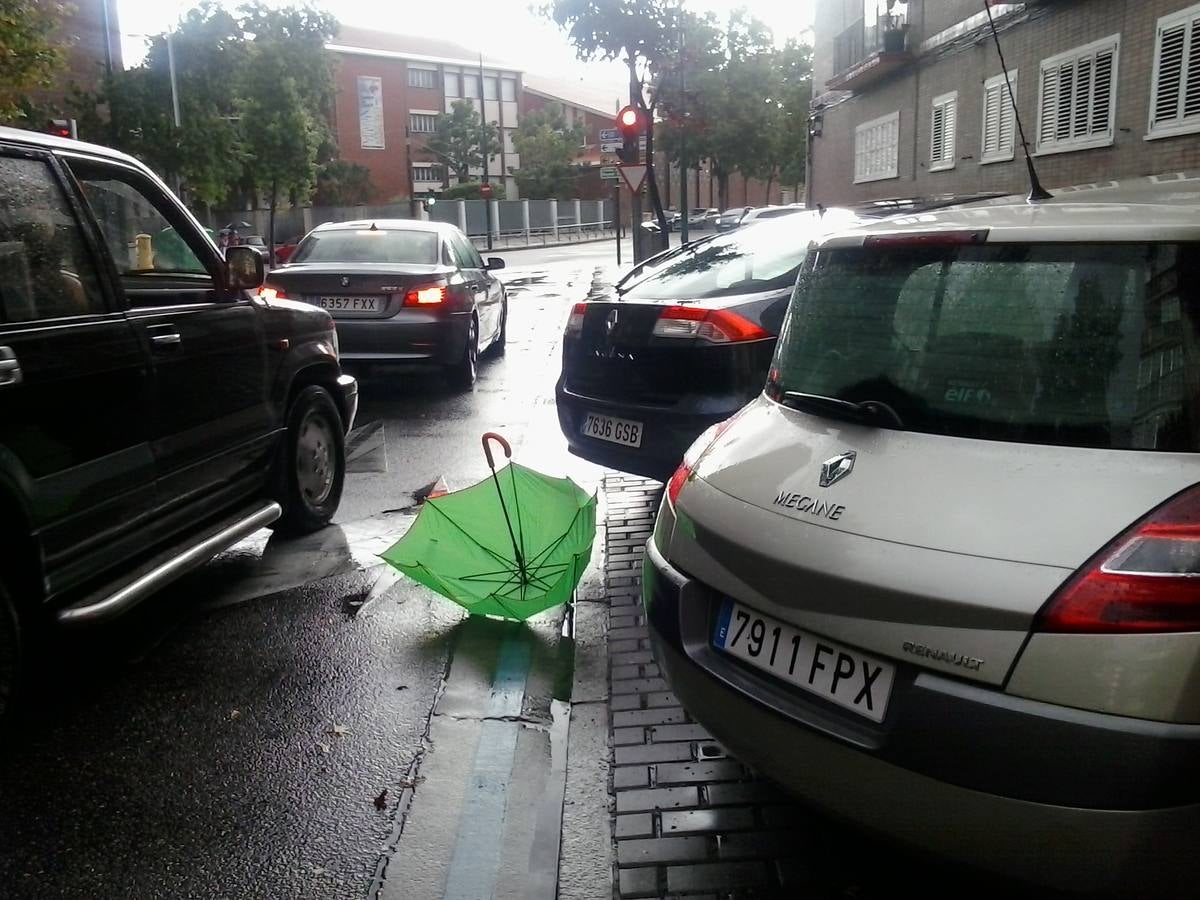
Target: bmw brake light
1146, 580
429, 295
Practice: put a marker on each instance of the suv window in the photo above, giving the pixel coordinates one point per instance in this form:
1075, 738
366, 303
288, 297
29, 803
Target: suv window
139, 234
46, 271
1072, 344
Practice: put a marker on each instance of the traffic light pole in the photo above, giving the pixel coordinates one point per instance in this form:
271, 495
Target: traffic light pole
483, 148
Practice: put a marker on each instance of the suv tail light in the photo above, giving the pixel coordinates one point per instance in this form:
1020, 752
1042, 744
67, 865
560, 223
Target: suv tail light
717, 326
1147, 579
575, 320
693, 456
429, 295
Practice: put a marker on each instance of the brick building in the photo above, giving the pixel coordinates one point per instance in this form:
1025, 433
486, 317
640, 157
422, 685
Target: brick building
911, 99
579, 103
91, 38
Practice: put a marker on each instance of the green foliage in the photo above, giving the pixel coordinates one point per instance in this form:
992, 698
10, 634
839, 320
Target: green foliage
255, 93
548, 148
460, 136
342, 183
469, 190
29, 56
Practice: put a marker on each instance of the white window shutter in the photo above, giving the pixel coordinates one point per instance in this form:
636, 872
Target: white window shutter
951, 117
1048, 109
1169, 87
1077, 101
1102, 96
938, 136
991, 119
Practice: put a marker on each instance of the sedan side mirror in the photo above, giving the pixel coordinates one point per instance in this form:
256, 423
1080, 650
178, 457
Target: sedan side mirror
244, 268
495, 262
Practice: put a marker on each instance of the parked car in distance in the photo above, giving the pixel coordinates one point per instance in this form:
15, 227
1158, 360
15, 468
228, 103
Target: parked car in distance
401, 292
683, 344
153, 411
772, 212
950, 558
731, 218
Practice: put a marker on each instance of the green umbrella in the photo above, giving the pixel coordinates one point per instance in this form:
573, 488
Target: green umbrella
511, 546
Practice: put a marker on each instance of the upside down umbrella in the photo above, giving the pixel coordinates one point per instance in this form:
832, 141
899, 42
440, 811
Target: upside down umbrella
512, 545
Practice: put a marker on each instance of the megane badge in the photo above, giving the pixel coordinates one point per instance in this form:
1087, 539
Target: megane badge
345, 281
835, 469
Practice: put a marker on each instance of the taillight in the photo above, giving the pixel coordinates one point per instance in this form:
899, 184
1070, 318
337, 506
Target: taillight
430, 295
1148, 579
575, 320
694, 454
717, 326
269, 292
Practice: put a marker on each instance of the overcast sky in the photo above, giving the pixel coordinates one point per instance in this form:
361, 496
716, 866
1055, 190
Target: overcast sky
506, 27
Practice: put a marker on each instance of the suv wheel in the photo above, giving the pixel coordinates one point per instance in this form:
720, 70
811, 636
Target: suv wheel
462, 373
10, 652
314, 462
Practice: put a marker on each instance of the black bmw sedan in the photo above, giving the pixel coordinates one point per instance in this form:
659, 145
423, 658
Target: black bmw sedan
401, 292
682, 345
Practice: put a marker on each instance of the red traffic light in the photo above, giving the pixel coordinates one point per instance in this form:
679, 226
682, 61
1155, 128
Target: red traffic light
629, 120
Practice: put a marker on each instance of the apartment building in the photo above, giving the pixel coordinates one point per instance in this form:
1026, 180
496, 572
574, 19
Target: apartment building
910, 98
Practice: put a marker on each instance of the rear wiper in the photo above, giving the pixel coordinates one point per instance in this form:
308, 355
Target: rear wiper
874, 411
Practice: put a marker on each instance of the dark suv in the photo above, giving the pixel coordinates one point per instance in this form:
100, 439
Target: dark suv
153, 411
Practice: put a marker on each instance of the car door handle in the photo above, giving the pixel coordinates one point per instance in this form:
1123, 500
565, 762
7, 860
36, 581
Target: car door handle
10, 367
166, 341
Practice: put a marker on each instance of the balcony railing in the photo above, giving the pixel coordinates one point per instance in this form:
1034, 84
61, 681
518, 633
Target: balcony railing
863, 52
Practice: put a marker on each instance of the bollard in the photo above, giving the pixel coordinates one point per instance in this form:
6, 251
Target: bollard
144, 252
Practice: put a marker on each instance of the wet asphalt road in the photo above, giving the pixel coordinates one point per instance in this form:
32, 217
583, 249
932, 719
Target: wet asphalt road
233, 736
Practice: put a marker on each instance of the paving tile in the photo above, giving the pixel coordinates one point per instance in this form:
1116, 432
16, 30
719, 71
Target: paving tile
634, 671
661, 698
660, 716
634, 632
625, 701
635, 825
631, 658
641, 686
730, 818
657, 798
656, 851
631, 777
623, 646
686, 773
637, 883
689, 732
747, 792
758, 844
718, 876
622, 736
649, 753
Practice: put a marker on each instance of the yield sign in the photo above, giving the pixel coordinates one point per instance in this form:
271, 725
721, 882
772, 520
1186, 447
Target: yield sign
634, 176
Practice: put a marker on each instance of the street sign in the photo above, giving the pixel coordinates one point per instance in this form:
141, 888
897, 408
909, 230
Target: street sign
611, 146
485, 191
609, 173
634, 176
610, 135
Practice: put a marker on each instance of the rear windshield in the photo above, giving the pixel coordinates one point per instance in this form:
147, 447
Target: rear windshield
1079, 345
750, 261
366, 246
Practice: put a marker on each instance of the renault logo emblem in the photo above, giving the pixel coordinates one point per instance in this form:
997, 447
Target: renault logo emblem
610, 322
835, 469
345, 281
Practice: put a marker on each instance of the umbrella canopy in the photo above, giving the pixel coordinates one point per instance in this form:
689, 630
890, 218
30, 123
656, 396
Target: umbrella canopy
512, 546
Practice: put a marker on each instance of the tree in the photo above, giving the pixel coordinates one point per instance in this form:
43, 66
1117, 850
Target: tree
279, 133
548, 148
29, 55
470, 190
460, 136
794, 64
343, 183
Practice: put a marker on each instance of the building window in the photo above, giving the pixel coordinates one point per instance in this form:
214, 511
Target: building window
999, 126
877, 149
1077, 98
1175, 88
422, 123
450, 82
490, 88
429, 174
508, 89
470, 86
422, 78
509, 145
943, 121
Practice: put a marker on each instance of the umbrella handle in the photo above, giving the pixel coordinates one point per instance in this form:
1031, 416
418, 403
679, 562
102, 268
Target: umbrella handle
487, 450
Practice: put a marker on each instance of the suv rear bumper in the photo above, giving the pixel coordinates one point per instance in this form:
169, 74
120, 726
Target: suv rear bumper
666, 433
1104, 800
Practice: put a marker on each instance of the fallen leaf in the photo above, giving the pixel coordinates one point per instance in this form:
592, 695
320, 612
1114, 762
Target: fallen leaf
412, 782
403, 687
339, 731
323, 747
381, 800
235, 713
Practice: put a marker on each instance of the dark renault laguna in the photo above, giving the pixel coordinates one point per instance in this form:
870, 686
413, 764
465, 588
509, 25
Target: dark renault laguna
401, 291
682, 345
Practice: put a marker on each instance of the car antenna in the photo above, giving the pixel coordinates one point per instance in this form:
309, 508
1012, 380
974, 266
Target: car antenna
374, 227
1036, 191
